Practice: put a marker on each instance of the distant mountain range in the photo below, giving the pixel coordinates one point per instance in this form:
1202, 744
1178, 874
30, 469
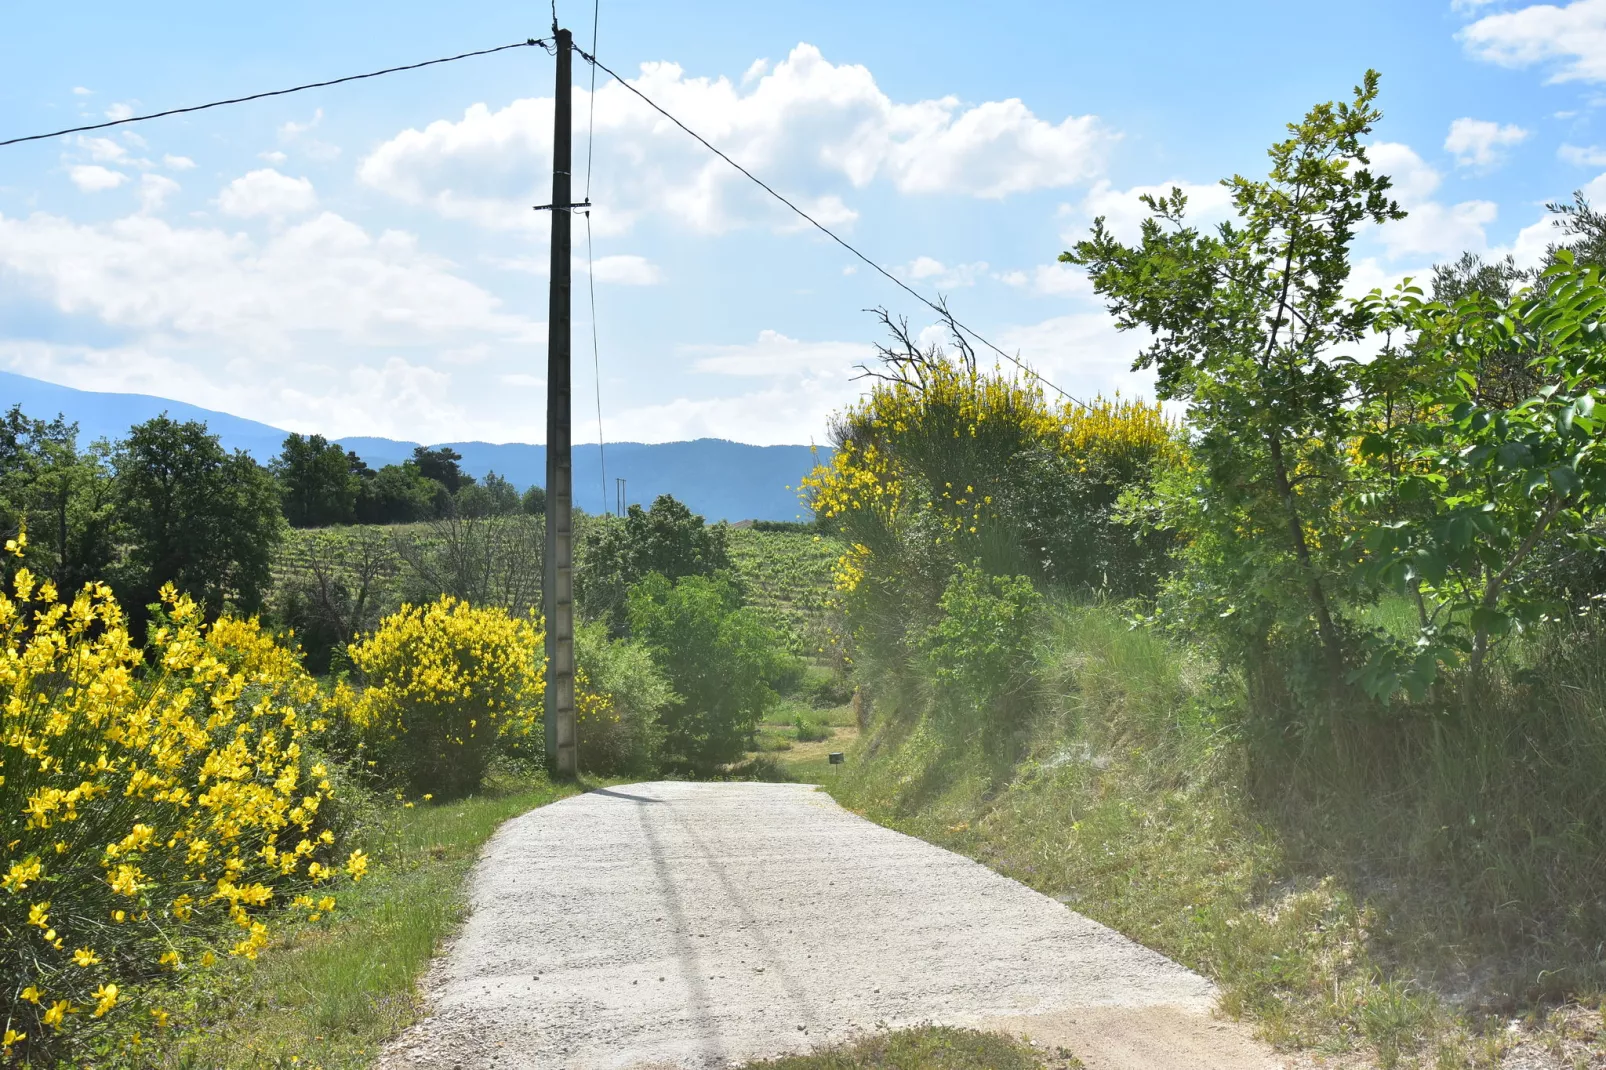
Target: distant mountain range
720, 479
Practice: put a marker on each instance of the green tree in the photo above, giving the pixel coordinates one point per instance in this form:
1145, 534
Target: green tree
195, 515
668, 539
1474, 486
1248, 328
534, 501
441, 464
61, 493
317, 482
720, 660
504, 498
397, 494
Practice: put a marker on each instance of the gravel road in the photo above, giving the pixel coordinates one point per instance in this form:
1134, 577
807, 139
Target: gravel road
701, 925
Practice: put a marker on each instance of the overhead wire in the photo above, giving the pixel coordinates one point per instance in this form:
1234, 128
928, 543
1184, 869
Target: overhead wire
591, 275
829, 233
529, 43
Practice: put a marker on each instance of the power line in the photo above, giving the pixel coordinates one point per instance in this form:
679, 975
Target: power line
823, 229
532, 42
591, 274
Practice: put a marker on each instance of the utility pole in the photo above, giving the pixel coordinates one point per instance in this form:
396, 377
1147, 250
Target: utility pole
618, 494
557, 565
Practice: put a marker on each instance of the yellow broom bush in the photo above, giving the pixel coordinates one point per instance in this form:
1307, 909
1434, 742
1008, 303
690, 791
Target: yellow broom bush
150, 806
446, 684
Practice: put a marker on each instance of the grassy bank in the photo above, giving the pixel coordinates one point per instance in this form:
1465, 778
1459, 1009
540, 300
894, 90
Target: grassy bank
328, 994
1422, 893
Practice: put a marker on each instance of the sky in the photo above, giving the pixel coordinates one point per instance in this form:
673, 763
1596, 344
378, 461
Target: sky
364, 259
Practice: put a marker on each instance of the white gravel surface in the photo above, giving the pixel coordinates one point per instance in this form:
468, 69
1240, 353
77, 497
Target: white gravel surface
700, 925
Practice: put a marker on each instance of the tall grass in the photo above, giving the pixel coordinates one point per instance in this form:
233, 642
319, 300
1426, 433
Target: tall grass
1383, 885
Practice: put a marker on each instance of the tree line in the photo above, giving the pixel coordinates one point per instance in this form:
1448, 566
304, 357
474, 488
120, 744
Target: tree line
167, 503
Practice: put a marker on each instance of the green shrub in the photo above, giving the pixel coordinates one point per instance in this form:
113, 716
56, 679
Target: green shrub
626, 738
810, 730
980, 651
718, 656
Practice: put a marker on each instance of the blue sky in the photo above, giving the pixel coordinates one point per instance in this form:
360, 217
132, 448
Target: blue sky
363, 260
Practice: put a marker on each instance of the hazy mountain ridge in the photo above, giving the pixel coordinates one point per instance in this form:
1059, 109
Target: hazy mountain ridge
716, 477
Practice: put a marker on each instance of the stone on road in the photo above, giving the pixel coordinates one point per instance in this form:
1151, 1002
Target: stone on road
702, 925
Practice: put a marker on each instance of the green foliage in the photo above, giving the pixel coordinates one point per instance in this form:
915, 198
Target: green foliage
192, 514
980, 649
717, 655
397, 494
317, 481
615, 553
63, 495
786, 577
534, 501
441, 464
810, 729
1466, 488
1332, 894
504, 497
1247, 324
625, 737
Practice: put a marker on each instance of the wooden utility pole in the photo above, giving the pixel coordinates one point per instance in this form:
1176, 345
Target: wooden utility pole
557, 564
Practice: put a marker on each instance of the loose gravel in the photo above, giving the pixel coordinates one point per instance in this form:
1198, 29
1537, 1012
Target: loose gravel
702, 925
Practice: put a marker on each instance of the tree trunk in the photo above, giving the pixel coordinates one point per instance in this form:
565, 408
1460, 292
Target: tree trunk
1296, 532
1491, 593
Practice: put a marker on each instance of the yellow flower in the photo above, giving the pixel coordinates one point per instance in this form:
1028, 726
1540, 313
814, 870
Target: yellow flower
106, 994
38, 914
58, 1011
11, 1038
160, 1016
32, 994
22, 874
357, 865
85, 957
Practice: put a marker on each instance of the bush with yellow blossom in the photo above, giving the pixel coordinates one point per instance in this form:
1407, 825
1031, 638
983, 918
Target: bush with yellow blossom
155, 801
944, 463
445, 685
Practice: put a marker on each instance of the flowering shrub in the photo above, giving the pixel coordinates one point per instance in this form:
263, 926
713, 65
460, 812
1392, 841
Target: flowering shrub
446, 684
149, 802
949, 465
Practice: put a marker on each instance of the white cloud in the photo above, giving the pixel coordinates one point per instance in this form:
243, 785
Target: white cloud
154, 190
320, 326
120, 111
1571, 39
1124, 213
1478, 142
936, 273
522, 379
1082, 353
1430, 227
93, 178
808, 124
274, 156
80, 91
628, 270
775, 354
784, 392
1582, 156
295, 129
178, 163
1053, 280
267, 193
102, 149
